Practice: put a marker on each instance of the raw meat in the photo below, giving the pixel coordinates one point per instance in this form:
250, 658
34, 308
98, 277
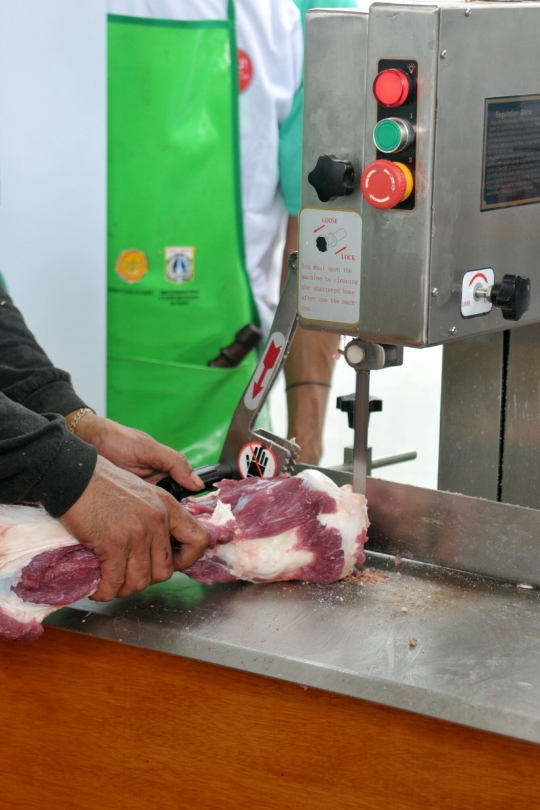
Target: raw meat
267, 530
42, 568
262, 530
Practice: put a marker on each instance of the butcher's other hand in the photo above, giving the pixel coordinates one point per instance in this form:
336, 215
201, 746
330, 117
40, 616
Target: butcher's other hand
135, 451
128, 524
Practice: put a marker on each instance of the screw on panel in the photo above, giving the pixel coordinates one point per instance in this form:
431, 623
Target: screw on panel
453, 331
468, 12
435, 292
443, 54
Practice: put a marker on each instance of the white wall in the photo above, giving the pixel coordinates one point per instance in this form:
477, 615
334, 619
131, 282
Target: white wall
411, 397
53, 178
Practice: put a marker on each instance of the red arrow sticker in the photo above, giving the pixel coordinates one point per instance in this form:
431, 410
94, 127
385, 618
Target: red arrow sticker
269, 360
264, 373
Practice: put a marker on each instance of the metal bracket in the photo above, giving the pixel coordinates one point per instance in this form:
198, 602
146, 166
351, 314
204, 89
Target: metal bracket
363, 355
241, 430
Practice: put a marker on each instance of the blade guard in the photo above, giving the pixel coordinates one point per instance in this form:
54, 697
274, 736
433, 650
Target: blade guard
241, 431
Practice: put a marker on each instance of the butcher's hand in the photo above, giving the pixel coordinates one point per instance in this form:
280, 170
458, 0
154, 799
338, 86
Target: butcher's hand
135, 451
128, 524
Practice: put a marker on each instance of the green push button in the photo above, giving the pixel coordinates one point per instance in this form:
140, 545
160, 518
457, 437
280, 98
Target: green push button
388, 136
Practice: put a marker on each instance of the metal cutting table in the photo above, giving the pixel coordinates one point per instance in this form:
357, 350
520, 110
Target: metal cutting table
475, 662
416, 686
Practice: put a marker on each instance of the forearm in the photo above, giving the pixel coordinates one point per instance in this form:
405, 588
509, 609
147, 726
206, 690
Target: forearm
311, 360
27, 376
40, 461
310, 363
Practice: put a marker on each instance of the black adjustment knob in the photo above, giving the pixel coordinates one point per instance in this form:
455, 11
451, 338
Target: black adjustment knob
332, 178
512, 296
346, 404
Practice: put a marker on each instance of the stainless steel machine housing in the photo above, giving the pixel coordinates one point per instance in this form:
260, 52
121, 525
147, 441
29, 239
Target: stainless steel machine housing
413, 261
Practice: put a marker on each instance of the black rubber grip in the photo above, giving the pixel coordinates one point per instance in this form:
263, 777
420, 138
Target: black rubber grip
210, 475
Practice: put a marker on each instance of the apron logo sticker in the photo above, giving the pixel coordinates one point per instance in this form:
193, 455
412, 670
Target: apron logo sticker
245, 70
132, 265
179, 264
256, 460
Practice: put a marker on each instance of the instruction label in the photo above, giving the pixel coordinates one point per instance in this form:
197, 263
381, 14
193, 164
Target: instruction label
329, 265
511, 152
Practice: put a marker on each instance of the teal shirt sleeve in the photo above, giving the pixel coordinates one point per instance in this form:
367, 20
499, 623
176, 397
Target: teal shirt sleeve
290, 133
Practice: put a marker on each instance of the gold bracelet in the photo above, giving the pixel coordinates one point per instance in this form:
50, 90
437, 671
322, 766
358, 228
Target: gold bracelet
77, 418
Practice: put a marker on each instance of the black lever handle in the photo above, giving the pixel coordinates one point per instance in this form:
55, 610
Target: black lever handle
332, 178
210, 475
346, 404
512, 296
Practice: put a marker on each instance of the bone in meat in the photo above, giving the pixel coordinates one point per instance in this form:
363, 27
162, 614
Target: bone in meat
267, 530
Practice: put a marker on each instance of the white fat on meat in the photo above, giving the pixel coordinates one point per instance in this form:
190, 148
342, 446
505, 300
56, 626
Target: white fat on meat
25, 532
266, 558
42, 567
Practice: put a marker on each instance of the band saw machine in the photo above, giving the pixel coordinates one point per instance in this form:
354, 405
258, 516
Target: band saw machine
419, 227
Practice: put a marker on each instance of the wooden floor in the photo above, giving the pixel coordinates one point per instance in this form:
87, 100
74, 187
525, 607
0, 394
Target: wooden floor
87, 724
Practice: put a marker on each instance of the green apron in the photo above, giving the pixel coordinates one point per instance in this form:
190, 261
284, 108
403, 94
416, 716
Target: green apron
177, 284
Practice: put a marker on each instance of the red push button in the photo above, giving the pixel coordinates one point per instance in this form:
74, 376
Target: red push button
385, 184
392, 87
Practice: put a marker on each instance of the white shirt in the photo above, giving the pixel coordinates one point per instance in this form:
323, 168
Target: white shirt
270, 33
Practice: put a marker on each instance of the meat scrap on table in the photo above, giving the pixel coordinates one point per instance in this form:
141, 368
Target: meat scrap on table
365, 576
262, 530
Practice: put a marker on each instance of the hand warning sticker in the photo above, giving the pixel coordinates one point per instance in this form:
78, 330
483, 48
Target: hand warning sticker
265, 371
256, 460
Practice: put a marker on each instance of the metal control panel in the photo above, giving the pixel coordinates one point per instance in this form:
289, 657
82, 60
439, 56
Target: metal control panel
333, 150
421, 171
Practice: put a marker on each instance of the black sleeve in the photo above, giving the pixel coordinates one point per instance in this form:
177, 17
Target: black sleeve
40, 460
27, 376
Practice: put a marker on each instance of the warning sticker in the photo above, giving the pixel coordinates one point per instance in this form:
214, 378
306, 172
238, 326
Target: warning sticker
256, 460
511, 169
265, 371
329, 265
